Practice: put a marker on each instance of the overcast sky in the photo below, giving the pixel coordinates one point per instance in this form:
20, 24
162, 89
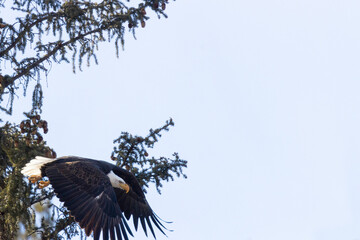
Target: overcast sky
265, 99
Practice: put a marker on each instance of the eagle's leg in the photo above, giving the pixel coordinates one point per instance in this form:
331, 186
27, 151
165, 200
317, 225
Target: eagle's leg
34, 178
43, 184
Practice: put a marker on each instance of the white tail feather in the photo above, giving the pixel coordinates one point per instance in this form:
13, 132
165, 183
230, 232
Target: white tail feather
33, 167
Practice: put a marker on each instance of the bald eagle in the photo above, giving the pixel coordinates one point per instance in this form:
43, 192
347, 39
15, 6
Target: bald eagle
97, 193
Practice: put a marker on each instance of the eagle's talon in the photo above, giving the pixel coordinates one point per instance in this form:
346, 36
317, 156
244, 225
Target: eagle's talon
43, 184
34, 178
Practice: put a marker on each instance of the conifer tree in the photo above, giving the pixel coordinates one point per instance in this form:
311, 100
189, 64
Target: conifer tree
46, 32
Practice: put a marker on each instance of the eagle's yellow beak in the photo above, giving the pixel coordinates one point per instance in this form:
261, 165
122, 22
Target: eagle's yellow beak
125, 187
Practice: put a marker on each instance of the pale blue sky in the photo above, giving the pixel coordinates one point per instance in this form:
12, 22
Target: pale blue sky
265, 99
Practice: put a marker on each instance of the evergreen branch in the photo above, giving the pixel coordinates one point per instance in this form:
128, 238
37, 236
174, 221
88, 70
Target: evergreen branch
131, 153
128, 154
72, 18
39, 199
51, 53
23, 32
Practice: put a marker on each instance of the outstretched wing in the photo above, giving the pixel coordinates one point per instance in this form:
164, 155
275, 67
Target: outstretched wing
134, 204
87, 192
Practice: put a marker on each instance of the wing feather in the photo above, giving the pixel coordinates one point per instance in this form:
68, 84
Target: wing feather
106, 229
87, 218
112, 232
118, 233
150, 226
126, 226
155, 221
123, 230
97, 232
92, 221
136, 222
134, 205
84, 211
98, 225
143, 225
